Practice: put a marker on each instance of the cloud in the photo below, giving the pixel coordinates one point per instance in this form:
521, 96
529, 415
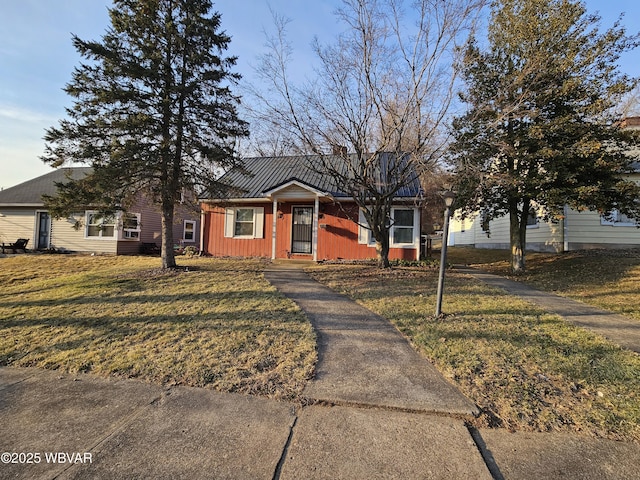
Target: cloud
13, 113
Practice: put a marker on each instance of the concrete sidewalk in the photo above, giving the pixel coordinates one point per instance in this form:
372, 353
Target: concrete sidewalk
79, 426
376, 411
617, 328
362, 358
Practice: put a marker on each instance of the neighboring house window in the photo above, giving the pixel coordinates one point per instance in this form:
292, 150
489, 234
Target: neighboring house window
402, 226
131, 226
618, 219
99, 226
244, 222
189, 234
532, 219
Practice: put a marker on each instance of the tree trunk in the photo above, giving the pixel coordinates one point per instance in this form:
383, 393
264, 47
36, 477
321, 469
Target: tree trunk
382, 251
518, 237
166, 252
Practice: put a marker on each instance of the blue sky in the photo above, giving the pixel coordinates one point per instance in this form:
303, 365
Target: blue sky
37, 58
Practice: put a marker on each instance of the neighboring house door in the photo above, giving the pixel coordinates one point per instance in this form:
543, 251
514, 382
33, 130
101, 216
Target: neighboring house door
44, 229
302, 230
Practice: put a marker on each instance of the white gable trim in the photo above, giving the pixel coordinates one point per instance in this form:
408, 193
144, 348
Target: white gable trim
313, 192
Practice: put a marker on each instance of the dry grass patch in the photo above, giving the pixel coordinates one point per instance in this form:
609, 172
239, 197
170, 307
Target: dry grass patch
608, 279
216, 323
525, 369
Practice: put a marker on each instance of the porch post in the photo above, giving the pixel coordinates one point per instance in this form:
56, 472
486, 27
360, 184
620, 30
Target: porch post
273, 229
316, 205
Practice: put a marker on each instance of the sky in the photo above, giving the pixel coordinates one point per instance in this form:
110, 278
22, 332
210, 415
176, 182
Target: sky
37, 58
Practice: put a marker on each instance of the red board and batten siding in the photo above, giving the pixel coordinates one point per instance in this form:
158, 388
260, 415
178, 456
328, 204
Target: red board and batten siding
216, 244
339, 238
337, 235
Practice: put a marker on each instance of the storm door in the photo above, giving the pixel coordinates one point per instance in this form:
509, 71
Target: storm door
44, 228
302, 230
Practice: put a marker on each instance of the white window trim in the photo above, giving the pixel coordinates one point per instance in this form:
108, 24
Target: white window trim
415, 239
614, 222
130, 230
184, 231
365, 236
99, 237
230, 222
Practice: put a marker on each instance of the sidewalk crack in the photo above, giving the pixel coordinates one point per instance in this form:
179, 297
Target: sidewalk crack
485, 453
285, 450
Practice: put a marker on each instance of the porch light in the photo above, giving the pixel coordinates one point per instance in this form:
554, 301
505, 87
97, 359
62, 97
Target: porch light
448, 197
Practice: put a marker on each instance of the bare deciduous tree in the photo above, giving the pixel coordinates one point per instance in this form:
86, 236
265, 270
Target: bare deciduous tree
385, 85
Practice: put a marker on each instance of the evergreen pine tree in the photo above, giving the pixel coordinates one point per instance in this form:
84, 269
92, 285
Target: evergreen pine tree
153, 111
542, 128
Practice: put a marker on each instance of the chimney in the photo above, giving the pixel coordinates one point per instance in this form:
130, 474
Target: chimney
340, 150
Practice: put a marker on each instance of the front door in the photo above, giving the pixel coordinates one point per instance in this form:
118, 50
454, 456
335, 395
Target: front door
44, 228
302, 230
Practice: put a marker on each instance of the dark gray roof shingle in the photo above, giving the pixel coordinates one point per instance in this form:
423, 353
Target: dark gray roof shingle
31, 191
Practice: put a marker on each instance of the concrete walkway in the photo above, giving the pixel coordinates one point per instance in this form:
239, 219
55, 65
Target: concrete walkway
617, 328
59, 426
362, 358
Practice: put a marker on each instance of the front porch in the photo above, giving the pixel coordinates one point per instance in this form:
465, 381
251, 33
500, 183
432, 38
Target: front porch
295, 223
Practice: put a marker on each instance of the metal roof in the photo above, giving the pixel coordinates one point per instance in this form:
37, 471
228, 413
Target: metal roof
262, 174
30, 192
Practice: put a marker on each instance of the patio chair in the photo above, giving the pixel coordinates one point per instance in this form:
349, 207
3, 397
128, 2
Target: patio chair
20, 244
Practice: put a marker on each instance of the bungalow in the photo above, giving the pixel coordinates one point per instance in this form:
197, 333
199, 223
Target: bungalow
286, 209
23, 215
576, 231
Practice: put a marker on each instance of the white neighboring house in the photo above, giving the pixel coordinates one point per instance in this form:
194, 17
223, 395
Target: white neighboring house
576, 231
23, 215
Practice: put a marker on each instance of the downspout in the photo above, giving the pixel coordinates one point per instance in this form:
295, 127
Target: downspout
314, 231
273, 228
565, 233
203, 218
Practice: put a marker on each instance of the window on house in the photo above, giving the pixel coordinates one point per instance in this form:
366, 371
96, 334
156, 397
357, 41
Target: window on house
365, 235
189, 231
532, 219
400, 233
402, 226
244, 222
99, 226
618, 219
131, 226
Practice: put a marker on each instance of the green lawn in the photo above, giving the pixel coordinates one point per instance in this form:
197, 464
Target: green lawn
218, 324
525, 369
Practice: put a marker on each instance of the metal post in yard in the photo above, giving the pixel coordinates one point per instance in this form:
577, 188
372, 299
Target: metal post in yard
448, 197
